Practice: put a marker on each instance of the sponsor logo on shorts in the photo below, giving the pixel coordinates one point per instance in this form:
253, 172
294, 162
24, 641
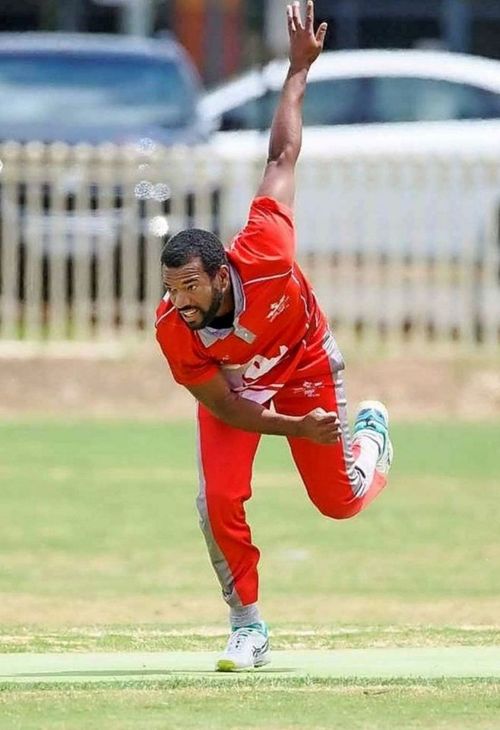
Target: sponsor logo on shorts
309, 389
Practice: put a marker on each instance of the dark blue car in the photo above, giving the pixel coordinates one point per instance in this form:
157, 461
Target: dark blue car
97, 88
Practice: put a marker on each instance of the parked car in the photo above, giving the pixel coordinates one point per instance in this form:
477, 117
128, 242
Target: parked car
94, 89
97, 88
365, 87
364, 106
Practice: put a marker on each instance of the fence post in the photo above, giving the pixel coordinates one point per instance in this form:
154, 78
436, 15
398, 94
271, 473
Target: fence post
10, 156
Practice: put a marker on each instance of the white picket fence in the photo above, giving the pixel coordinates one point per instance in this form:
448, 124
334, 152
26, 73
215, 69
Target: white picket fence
395, 247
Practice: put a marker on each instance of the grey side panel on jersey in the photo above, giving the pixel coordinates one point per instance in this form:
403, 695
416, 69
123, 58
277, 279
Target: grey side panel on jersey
356, 478
217, 558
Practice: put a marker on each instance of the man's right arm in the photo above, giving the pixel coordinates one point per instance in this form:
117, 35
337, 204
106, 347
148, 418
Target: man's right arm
238, 412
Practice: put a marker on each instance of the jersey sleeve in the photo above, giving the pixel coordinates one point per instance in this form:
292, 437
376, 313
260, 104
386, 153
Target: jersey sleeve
268, 238
188, 366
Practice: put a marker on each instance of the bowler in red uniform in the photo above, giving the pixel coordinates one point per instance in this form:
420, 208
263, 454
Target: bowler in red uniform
243, 332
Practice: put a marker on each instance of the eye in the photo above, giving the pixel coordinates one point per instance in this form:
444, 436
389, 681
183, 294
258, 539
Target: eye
192, 287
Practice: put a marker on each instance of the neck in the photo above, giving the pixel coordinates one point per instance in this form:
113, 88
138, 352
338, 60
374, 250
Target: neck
227, 304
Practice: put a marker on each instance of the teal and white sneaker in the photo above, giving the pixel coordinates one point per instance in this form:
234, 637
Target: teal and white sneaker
247, 648
372, 421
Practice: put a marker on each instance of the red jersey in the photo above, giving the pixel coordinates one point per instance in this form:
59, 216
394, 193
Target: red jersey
277, 320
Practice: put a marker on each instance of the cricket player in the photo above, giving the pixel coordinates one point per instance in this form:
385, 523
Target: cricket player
242, 331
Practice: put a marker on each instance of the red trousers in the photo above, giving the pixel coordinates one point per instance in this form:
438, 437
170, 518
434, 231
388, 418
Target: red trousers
340, 479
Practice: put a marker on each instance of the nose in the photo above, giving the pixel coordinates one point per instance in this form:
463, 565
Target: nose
182, 300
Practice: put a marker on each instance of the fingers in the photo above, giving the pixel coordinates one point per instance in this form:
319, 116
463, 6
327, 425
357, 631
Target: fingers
297, 18
310, 16
332, 437
321, 34
334, 429
330, 428
325, 427
329, 424
326, 416
294, 16
295, 24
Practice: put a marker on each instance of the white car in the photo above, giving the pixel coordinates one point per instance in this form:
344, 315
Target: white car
383, 132
365, 87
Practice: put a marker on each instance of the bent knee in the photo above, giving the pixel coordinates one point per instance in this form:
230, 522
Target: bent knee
340, 510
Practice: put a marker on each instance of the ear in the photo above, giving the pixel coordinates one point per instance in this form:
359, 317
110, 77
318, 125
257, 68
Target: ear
225, 278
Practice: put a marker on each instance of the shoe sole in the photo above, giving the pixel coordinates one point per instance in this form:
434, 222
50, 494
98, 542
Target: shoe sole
227, 665
385, 467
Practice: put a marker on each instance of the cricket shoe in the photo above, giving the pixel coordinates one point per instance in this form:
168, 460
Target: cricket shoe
247, 648
372, 421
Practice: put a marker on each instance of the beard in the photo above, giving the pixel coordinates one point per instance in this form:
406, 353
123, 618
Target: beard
208, 315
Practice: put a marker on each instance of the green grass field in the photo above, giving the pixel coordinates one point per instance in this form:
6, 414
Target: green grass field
101, 552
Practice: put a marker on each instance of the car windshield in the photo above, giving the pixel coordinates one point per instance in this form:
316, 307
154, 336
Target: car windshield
90, 91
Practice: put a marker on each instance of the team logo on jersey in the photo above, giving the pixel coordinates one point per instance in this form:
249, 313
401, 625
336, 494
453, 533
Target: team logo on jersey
278, 308
261, 365
243, 375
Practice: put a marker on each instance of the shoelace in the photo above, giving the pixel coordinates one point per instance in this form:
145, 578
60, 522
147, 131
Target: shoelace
370, 420
238, 637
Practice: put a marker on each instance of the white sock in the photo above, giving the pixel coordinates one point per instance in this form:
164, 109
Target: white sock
244, 616
368, 456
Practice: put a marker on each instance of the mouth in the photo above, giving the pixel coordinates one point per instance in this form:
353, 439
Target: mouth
189, 314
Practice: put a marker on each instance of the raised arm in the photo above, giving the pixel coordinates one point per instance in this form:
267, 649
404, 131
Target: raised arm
286, 131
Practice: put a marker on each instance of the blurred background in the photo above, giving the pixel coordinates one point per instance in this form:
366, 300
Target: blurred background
124, 121
225, 36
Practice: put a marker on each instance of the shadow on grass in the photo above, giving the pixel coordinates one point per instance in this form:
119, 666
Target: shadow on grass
148, 673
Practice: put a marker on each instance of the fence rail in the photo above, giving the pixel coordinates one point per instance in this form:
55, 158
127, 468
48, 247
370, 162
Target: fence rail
395, 246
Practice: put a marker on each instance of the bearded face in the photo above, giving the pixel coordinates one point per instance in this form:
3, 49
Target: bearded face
197, 296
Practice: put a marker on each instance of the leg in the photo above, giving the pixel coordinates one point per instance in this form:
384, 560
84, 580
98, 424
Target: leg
341, 479
225, 459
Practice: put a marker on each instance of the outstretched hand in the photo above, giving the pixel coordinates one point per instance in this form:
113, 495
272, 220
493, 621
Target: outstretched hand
305, 44
286, 131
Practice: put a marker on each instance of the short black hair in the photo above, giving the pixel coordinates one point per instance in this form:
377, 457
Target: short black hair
194, 243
